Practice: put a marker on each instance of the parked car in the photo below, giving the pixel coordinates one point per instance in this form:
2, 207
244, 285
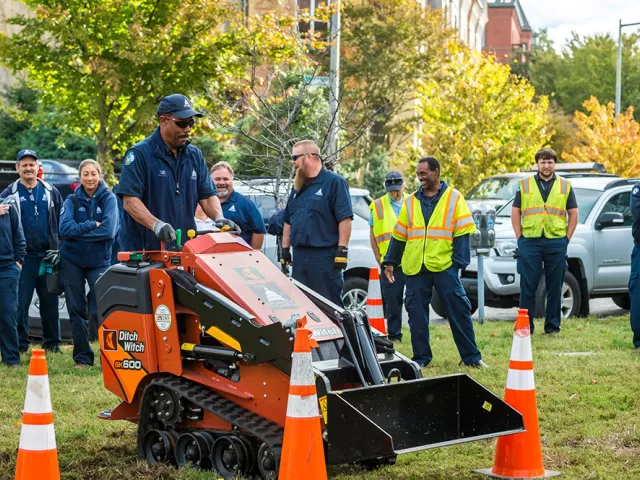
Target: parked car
497, 190
599, 254
64, 177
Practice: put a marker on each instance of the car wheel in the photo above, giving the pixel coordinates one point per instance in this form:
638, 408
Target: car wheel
570, 301
438, 307
354, 293
623, 301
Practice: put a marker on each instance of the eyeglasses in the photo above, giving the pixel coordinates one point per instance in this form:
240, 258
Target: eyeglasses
182, 123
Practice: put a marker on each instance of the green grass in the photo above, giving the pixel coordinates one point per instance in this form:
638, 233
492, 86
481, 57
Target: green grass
589, 408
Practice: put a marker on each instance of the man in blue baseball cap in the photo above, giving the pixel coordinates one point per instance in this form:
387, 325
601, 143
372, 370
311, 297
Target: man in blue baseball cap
382, 220
164, 179
38, 204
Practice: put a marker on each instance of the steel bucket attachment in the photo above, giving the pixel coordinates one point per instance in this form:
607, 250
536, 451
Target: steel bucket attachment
385, 420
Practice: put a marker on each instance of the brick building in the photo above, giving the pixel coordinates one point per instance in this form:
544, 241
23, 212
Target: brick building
507, 31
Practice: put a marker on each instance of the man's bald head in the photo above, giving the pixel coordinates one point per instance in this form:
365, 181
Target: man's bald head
306, 158
306, 146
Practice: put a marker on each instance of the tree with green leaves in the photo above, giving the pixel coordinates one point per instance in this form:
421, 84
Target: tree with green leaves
586, 67
478, 119
387, 45
26, 123
105, 64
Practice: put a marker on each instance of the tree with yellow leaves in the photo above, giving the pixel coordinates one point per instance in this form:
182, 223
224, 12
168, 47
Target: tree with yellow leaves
478, 118
605, 139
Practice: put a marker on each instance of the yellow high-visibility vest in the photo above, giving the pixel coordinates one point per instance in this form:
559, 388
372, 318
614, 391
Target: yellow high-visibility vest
384, 220
433, 246
544, 218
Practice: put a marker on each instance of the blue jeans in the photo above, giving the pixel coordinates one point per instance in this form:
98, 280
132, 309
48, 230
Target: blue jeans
9, 275
313, 267
392, 297
532, 254
634, 295
456, 305
73, 280
30, 281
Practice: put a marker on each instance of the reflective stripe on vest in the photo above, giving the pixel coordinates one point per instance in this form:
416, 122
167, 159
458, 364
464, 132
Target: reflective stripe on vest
384, 222
544, 218
433, 246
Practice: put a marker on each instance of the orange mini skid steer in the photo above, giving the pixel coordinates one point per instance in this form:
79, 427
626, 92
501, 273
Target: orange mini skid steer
197, 343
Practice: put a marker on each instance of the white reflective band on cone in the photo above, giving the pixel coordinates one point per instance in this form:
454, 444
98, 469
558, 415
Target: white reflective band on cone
374, 284
520, 380
521, 349
301, 369
375, 311
37, 438
302, 407
38, 399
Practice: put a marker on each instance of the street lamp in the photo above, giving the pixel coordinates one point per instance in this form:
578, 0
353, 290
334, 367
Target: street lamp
334, 82
619, 65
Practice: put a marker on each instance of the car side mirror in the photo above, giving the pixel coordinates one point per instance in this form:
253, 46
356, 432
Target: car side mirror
610, 219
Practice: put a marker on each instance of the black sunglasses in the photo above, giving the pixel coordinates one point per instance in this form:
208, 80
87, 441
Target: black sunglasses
296, 157
394, 181
182, 123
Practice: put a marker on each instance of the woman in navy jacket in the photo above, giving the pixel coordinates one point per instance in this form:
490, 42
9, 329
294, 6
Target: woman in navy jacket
88, 226
13, 249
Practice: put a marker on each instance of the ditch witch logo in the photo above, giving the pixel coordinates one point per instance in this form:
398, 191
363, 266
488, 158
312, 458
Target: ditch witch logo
128, 341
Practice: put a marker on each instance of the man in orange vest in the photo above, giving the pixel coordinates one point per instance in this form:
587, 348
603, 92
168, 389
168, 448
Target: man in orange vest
382, 220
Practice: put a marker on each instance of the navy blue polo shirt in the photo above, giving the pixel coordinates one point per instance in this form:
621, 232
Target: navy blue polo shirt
315, 211
170, 188
244, 213
34, 213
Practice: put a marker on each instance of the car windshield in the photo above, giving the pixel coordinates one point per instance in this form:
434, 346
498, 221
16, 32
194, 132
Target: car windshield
586, 199
494, 189
360, 206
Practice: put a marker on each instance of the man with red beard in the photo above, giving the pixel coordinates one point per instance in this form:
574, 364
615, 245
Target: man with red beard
317, 224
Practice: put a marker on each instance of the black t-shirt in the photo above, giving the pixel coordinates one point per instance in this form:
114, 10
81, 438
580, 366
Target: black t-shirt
545, 188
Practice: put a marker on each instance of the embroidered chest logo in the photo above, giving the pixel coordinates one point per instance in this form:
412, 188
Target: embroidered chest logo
319, 193
194, 175
162, 173
233, 208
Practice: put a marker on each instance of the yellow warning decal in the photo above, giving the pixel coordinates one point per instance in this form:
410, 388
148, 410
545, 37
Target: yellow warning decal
323, 408
188, 347
487, 406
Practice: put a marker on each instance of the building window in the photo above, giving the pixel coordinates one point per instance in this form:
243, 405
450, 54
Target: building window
310, 6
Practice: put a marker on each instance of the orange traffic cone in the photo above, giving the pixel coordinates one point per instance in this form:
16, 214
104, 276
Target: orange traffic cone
37, 454
519, 456
375, 312
302, 448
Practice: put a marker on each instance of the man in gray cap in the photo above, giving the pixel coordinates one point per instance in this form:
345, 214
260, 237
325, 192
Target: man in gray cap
382, 220
164, 179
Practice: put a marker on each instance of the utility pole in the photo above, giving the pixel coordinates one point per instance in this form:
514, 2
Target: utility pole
619, 65
334, 82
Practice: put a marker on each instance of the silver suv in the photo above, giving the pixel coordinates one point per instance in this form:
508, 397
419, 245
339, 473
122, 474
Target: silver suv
599, 253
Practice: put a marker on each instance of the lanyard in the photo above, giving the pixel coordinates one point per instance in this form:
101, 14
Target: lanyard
32, 198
